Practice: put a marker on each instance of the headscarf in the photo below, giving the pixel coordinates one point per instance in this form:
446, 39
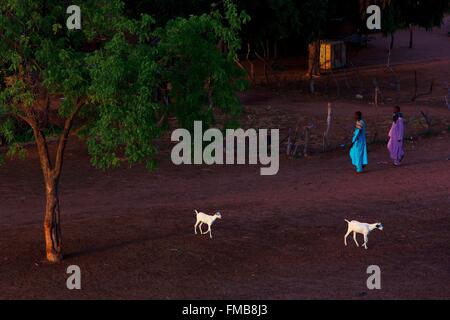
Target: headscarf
397, 115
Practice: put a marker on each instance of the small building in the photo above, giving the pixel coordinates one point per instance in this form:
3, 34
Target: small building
333, 55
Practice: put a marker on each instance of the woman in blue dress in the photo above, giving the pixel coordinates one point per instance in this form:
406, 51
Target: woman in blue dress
358, 150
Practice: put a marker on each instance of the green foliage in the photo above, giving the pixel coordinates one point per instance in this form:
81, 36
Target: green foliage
423, 13
274, 20
200, 76
166, 10
113, 68
298, 22
314, 17
390, 19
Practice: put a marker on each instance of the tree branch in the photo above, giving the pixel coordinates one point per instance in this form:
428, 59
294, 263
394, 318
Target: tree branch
42, 146
63, 140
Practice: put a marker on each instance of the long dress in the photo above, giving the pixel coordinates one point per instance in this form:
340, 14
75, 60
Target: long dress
395, 144
358, 152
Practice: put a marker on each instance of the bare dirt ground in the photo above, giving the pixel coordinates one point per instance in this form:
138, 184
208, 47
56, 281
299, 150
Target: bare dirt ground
287, 107
281, 237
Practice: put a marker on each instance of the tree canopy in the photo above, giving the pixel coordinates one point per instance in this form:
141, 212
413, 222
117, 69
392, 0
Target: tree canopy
115, 81
108, 72
298, 22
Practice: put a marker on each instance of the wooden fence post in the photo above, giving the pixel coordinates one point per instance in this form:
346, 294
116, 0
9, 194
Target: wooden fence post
326, 135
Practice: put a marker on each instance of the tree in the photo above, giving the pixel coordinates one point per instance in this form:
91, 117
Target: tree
390, 21
104, 81
409, 13
421, 13
201, 72
315, 14
272, 21
313, 21
167, 9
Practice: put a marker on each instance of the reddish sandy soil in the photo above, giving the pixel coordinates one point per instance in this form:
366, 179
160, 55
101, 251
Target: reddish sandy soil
281, 237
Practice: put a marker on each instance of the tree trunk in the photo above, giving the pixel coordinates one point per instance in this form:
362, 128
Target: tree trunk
52, 227
313, 63
410, 36
313, 58
51, 173
52, 224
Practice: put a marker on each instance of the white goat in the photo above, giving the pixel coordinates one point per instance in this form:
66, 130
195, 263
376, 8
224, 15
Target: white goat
363, 228
203, 218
